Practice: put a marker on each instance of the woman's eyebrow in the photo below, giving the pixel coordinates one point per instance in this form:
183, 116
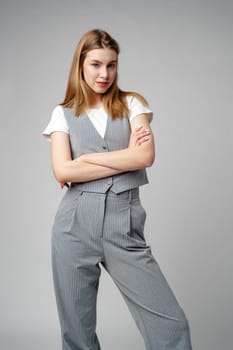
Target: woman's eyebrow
97, 61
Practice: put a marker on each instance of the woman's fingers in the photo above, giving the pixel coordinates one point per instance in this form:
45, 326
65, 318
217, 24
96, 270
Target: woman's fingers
142, 131
141, 134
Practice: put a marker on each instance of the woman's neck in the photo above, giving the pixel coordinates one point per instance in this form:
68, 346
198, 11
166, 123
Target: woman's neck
96, 101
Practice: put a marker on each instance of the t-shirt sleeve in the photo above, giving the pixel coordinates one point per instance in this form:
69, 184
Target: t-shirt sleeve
57, 123
136, 107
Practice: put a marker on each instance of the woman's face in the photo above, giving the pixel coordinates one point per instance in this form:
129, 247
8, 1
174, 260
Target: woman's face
100, 69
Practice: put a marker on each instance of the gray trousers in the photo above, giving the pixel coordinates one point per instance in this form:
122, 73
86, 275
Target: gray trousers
93, 228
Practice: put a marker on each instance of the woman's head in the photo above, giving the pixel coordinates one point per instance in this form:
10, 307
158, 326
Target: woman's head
99, 71
94, 68
93, 76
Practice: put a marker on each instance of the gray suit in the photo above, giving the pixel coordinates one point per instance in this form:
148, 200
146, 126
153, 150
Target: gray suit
102, 221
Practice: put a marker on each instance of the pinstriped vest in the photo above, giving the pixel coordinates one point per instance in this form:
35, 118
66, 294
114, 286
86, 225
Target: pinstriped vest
84, 138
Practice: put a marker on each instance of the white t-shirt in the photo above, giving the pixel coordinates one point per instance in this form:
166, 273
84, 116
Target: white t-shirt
98, 117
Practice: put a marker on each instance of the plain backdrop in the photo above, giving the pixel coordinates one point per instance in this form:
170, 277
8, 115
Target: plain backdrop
179, 55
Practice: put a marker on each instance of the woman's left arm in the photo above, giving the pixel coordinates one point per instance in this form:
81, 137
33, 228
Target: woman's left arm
134, 157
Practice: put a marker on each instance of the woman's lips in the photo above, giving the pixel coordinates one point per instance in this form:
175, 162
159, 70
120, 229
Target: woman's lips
102, 83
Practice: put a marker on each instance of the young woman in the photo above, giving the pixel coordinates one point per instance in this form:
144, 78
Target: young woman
101, 144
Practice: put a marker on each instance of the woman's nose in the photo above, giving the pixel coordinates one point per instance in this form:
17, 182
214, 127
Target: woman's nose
104, 72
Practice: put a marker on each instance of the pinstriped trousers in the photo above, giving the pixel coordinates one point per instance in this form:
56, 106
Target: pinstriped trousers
107, 228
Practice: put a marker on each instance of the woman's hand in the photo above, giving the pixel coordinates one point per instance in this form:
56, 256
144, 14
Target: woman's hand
139, 136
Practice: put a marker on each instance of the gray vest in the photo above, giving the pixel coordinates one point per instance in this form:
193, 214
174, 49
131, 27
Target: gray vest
84, 138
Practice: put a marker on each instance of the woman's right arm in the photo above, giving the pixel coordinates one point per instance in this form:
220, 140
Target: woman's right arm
67, 170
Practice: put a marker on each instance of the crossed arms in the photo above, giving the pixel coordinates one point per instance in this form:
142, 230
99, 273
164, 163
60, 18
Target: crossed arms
139, 154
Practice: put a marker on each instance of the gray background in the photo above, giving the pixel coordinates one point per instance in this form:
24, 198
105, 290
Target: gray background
179, 55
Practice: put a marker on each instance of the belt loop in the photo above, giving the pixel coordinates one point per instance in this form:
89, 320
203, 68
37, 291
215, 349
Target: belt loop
130, 196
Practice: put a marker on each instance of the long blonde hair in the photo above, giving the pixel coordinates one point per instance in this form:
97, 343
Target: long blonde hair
78, 93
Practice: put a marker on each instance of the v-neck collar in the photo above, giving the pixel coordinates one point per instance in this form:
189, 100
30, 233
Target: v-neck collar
92, 125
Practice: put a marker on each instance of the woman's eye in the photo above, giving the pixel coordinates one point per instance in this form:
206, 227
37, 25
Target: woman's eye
112, 65
95, 65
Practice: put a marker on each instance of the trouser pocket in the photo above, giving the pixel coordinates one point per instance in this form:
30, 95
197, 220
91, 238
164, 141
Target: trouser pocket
137, 220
